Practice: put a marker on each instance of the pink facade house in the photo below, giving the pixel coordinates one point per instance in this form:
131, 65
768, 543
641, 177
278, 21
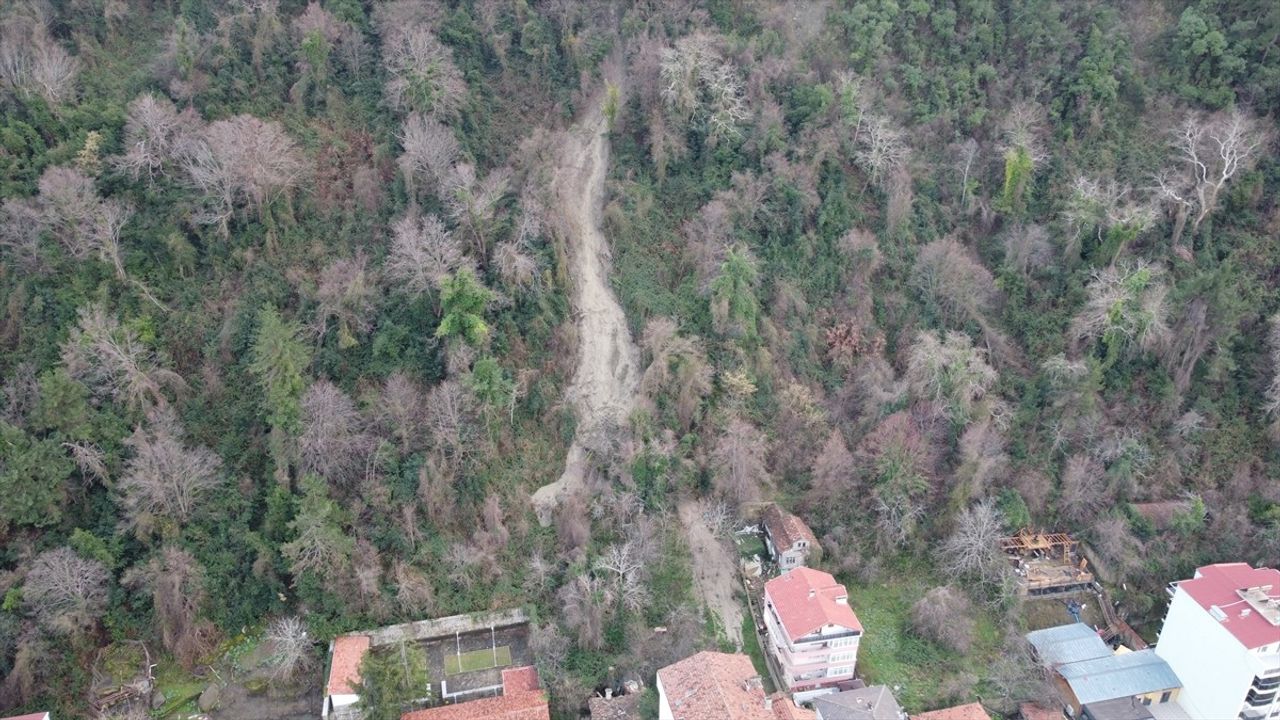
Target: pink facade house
813, 633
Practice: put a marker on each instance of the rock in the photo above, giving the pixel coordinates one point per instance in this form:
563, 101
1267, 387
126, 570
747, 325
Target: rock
257, 685
209, 698
157, 699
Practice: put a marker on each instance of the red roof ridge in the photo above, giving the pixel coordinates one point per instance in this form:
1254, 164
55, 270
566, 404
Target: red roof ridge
714, 686
344, 666
807, 600
787, 528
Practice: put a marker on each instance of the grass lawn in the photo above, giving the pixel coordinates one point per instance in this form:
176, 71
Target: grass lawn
890, 655
476, 660
751, 646
750, 545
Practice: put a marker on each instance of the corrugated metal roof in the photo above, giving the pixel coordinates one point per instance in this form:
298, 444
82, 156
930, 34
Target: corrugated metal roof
1119, 676
1066, 644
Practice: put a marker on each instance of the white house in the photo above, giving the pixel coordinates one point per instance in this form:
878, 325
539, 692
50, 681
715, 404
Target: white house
813, 633
790, 542
1222, 637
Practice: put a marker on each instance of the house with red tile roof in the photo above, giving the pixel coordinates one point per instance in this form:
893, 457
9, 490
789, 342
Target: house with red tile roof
970, 711
790, 541
1221, 636
346, 652
521, 699
813, 633
712, 686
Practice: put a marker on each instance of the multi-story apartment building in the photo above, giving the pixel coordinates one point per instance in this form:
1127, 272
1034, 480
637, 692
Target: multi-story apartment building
1222, 637
813, 633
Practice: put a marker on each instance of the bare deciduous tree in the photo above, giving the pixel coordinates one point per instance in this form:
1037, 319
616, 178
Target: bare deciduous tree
332, 444
430, 151
739, 462
69, 202
1027, 248
111, 358
423, 76
110, 221
678, 367
1271, 398
1117, 545
401, 410
154, 134
165, 481
944, 616
882, 147
626, 565
347, 292
1125, 310
33, 63
423, 253
451, 414
241, 161
66, 592
952, 278
175, 581
586, 602
89, 459
696, 81
1212, 149
21, 224
1082, 492
292, 648
473, 203
951, 371
414, 593
973, 548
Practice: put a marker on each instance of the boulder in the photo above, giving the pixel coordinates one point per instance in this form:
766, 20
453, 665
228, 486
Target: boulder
209, 698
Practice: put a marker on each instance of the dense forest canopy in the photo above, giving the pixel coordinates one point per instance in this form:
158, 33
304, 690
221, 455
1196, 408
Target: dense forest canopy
288, 323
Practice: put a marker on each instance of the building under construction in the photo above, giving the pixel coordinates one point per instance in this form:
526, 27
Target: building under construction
1047, 563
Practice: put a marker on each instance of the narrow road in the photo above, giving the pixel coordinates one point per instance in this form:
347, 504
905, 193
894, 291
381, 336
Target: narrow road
604, 385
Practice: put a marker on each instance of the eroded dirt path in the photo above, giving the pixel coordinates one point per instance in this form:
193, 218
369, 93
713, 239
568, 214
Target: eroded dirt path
715, 572
604, 385
603, 391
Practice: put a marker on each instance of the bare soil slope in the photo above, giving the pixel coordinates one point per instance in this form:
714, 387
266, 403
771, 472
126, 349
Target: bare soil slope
604, 384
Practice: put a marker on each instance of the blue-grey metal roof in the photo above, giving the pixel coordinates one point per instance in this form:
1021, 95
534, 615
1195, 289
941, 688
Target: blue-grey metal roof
1119, 676
1066, 644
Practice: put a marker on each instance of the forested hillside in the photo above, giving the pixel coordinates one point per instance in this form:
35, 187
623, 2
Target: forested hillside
289, 331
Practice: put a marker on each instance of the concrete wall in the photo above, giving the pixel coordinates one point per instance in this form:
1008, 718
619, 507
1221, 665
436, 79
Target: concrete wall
447, 626
1213, 665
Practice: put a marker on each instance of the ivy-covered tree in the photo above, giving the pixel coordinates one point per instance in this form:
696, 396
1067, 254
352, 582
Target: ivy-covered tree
463, 300
279, 360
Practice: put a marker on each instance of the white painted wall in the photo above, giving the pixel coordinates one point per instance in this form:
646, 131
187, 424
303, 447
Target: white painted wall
1215, 669
664, 708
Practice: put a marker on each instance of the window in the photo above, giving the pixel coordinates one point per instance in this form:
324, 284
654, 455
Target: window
1164, 697
840, 657
836, 671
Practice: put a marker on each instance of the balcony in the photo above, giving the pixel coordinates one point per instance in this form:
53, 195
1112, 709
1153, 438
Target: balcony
820, 640
1259, 699
1266, 684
